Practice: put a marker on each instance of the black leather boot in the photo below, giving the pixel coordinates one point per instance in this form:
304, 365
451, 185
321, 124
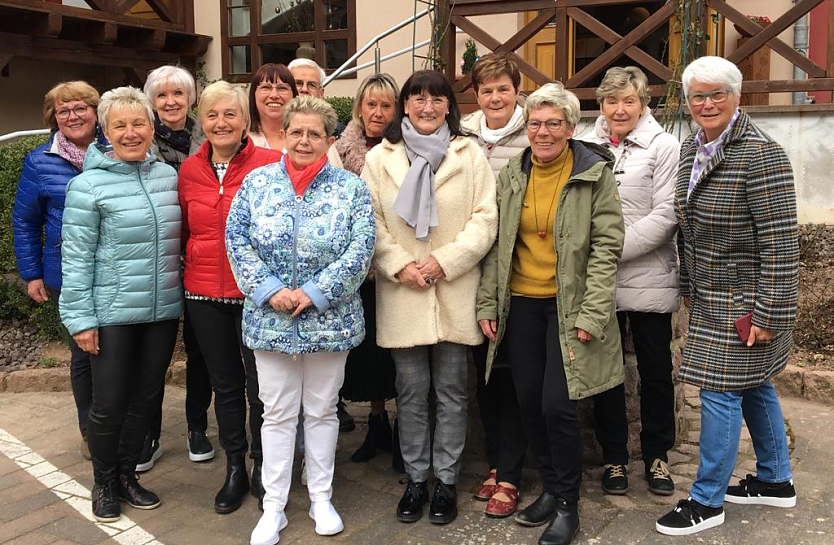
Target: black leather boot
105, 505
236, 486
564, 526
256, 485
539, 512
129, 490
396, 454
377, 438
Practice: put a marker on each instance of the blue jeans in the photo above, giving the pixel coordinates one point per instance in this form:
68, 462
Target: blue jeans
721, 414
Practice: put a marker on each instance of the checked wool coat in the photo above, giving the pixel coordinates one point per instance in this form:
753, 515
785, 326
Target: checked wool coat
739, 250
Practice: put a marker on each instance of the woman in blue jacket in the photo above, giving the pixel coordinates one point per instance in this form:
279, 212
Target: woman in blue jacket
300, 235
121, 297
69, 109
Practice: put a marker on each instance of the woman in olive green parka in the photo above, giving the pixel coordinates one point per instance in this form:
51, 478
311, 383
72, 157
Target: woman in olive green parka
560, 236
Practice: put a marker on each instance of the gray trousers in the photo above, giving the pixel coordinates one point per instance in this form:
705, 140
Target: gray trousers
443, 366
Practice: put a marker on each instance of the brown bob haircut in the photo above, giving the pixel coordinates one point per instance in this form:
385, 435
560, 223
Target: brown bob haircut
271, 73
494, 65
67, 91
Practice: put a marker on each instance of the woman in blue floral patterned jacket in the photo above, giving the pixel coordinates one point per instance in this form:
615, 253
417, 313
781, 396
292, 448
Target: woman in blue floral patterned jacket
300, 236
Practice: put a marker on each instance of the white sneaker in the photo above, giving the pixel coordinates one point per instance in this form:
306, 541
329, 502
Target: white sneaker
267, 529
328, 521
304, 471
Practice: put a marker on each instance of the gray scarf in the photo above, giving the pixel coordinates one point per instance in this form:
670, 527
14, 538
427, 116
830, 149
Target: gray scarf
415, 200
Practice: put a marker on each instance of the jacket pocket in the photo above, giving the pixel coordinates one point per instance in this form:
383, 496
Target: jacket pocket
735, 289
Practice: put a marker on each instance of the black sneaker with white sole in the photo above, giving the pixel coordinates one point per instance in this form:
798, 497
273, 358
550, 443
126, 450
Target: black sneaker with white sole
689, 517
752, 491
151, 452
199, 446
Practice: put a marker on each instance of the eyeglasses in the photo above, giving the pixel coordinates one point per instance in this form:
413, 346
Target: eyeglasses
552, 125
79, 111
717, 97
311, 85
436, 102
269, 87
298, 134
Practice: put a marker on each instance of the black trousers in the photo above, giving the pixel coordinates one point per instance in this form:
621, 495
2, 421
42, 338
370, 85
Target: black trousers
232, 371
81, 375
128, 374
505, 440
551, 421
652, 333
197, 385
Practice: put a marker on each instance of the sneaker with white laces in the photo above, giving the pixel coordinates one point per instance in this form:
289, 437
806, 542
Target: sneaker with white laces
304, 471
752, 491
267, 530
328, 521
689, 517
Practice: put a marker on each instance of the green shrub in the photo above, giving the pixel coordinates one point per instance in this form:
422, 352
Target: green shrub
11, 165
15, 304
343, 107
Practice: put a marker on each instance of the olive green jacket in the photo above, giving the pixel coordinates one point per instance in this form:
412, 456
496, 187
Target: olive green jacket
589, 234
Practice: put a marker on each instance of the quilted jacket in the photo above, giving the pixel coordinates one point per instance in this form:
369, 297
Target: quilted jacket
646, 167
205, 204
121, 244
321, 241
37, 212
739, 248
500, 153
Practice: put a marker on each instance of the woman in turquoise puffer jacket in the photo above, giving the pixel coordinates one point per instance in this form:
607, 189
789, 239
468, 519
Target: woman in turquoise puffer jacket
121, 296
300, 236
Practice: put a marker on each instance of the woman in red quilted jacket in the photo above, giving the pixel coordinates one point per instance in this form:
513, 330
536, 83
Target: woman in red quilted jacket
208, 182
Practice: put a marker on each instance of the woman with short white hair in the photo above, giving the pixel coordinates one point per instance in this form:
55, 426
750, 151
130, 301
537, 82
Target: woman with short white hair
177, 135
739, 251
208, 182
121, 296
646, 166
558, 198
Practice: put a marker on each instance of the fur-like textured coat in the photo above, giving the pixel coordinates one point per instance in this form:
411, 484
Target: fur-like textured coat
468, 216
352, 148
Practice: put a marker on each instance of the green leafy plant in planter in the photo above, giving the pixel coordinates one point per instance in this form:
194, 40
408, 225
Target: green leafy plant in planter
343, 107
470, 56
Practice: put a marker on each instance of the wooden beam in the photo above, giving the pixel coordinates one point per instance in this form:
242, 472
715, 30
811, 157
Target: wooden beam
644, 59
149, 39
123, 6
135, 76
488, 7
788, 85
162, 9
634, 37
560, 71
773, 30
733, 15
100, 5
48, 25
529, 30
4, 60
101, 33
82, 14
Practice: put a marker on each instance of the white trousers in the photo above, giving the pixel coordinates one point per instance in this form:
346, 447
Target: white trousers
285, 384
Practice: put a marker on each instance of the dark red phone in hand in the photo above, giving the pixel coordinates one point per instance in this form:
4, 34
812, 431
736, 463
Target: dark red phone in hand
743, 326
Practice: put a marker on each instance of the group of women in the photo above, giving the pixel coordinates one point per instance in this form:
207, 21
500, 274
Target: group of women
301, 277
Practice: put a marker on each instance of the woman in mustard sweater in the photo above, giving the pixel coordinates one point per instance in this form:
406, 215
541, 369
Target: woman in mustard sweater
547, 292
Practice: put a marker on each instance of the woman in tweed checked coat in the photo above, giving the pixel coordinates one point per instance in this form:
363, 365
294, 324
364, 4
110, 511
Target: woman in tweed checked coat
739, 251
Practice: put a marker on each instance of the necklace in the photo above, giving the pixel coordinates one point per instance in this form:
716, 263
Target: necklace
541, 232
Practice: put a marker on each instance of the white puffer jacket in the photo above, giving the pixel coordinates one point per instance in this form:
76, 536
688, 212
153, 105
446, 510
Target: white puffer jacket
646, 166
500, 153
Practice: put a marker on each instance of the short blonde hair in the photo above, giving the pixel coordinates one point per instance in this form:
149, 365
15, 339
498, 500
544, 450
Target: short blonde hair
67, 91
556, 96
220, 90
178, 76
380, 83
617, 80
123, 97
304, 104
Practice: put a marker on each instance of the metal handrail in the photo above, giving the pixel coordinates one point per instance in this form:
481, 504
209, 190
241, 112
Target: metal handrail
375, 41
390, 56
21, 134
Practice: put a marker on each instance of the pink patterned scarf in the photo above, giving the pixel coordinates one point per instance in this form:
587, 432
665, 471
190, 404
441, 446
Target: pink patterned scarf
69, 151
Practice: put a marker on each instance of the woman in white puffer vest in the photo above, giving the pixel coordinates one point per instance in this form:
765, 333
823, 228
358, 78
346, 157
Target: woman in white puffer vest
646, 165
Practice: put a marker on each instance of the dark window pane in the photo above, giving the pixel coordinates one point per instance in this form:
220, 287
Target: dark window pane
239, 22
335, 53
335, 14
285, 16
237, 3
279, 53
241, 59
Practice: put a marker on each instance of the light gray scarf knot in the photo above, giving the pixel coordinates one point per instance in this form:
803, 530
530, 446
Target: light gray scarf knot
415, 200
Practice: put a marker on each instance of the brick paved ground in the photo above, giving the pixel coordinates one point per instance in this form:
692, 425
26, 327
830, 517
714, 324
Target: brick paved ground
366, 494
